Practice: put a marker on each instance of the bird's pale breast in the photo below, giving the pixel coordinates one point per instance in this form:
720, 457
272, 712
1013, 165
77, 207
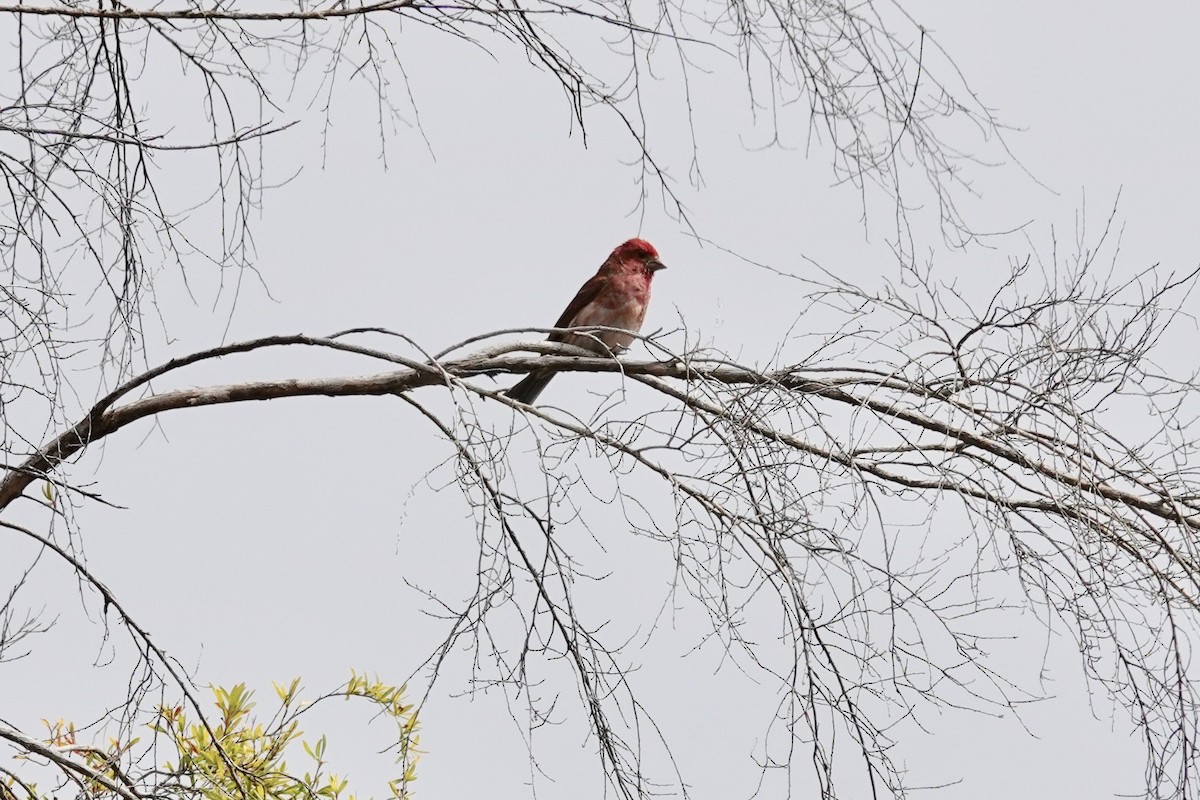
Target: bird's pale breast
621, 305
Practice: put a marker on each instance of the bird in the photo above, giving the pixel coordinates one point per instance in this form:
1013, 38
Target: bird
615, 297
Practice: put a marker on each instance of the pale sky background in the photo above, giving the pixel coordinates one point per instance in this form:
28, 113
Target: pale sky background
261, 542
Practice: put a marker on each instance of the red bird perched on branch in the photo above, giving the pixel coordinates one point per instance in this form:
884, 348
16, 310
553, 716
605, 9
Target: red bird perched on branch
615, 297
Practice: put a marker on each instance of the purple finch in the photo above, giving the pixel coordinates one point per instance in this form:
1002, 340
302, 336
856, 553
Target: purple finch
615, 297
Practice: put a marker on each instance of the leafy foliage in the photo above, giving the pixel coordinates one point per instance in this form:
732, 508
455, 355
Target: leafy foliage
231, 754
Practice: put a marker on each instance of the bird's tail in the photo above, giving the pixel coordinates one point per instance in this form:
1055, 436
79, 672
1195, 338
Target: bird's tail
527, 390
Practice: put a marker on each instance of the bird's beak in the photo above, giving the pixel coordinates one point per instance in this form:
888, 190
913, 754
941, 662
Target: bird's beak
654, 265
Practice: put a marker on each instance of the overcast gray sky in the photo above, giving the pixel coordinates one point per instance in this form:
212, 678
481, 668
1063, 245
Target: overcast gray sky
262, 542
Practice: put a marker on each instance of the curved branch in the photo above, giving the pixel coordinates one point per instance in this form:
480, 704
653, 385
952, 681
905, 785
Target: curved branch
103, 420
335, 10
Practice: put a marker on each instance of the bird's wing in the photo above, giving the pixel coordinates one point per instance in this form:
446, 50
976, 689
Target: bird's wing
586, 294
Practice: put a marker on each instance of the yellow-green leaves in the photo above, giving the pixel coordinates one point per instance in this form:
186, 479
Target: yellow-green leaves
232, 754
241, 756
236, 755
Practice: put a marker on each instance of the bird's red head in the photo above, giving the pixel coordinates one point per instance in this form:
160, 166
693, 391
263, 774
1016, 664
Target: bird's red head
638, 251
